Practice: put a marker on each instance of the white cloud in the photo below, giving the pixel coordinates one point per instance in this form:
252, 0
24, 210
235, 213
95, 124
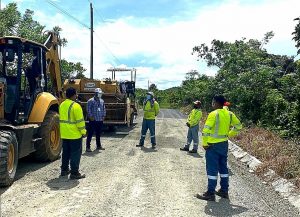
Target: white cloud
170, 44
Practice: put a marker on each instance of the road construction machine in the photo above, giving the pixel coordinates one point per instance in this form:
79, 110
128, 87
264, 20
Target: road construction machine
30, 92
119, 97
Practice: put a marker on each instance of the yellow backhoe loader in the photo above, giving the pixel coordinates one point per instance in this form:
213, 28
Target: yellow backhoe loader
30, 92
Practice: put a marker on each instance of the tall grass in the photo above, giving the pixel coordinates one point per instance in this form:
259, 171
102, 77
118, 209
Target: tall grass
277, 154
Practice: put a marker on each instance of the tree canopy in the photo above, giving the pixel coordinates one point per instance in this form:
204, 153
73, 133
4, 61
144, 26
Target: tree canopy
12, 22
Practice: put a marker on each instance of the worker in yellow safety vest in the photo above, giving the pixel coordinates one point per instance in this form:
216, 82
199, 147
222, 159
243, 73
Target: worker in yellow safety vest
151, 110
193, 128
220, 125
72, 130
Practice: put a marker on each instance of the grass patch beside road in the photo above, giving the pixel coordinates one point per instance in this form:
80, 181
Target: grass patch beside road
275, 153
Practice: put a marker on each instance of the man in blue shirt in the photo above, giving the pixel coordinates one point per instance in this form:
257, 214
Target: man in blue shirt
96, 113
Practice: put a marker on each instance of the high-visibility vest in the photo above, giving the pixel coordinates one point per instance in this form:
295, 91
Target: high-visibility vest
150, 112
71, 121
194, 117
220, 125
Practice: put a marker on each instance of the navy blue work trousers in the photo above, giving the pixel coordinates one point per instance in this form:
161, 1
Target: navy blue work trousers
148, 124
216, 163
71, 154
94, 126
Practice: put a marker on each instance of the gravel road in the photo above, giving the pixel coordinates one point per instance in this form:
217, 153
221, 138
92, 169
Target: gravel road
127, 181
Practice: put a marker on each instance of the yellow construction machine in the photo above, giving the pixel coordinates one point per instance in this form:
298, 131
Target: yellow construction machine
30, 92
119, 97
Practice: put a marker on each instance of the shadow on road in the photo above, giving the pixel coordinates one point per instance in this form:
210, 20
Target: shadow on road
62, 183
91, 154
223, 208
148, 150
195, 155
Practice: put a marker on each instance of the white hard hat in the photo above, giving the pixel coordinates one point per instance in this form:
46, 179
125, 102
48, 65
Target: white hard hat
98, 90
150, 93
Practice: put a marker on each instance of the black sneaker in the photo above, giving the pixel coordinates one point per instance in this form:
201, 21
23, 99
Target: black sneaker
77, 176
193, 151
65, 173
100, 148
207, 196
222, 194
184, 149
88, 150
153, 146
139, 145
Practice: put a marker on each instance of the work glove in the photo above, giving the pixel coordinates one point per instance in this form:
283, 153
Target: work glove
187, 124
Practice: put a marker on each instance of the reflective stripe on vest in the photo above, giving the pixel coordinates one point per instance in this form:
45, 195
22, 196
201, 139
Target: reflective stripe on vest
207, 127
69, 117
215, 135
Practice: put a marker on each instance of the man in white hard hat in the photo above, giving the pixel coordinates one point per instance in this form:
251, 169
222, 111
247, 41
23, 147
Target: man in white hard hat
96, 113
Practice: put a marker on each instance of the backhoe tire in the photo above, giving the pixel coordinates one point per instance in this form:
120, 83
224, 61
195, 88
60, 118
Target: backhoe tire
8, 157
49, 148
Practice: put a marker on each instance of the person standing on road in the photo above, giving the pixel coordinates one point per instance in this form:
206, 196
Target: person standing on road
151, 110
72, 129
220, 125
96, 113
193, 128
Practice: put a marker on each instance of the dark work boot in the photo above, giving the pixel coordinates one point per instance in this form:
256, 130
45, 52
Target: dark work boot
139, 145
153, 146
222, 194
207, 196
100, 148
193, 151
65, 173
88, 150
184, 149
77, 176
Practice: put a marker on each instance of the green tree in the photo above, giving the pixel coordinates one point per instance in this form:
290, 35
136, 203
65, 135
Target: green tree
296, 34
12, 22
153, 87
192, 75
71, 70
263, 88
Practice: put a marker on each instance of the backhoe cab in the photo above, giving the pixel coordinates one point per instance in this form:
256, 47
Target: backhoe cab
30, 91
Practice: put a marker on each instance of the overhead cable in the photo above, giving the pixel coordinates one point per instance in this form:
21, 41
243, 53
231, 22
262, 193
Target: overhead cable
67, 13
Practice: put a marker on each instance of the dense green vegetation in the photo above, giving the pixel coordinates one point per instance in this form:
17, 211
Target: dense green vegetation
263, 88
13, 22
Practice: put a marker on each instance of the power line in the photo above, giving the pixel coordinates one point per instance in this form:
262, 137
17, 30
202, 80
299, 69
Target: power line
86, 26
101, 17
67, 13
108, 48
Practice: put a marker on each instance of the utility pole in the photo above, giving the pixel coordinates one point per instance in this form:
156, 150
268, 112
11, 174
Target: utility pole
92, 43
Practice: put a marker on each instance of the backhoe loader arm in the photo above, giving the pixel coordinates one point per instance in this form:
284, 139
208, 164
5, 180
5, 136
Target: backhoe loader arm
53, 63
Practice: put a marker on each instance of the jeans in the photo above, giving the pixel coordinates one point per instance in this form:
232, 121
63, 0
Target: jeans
193, 136
71, 154
94, 126
148, 124
216, 162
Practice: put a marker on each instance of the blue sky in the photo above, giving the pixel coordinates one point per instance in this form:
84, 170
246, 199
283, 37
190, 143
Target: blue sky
157, 37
